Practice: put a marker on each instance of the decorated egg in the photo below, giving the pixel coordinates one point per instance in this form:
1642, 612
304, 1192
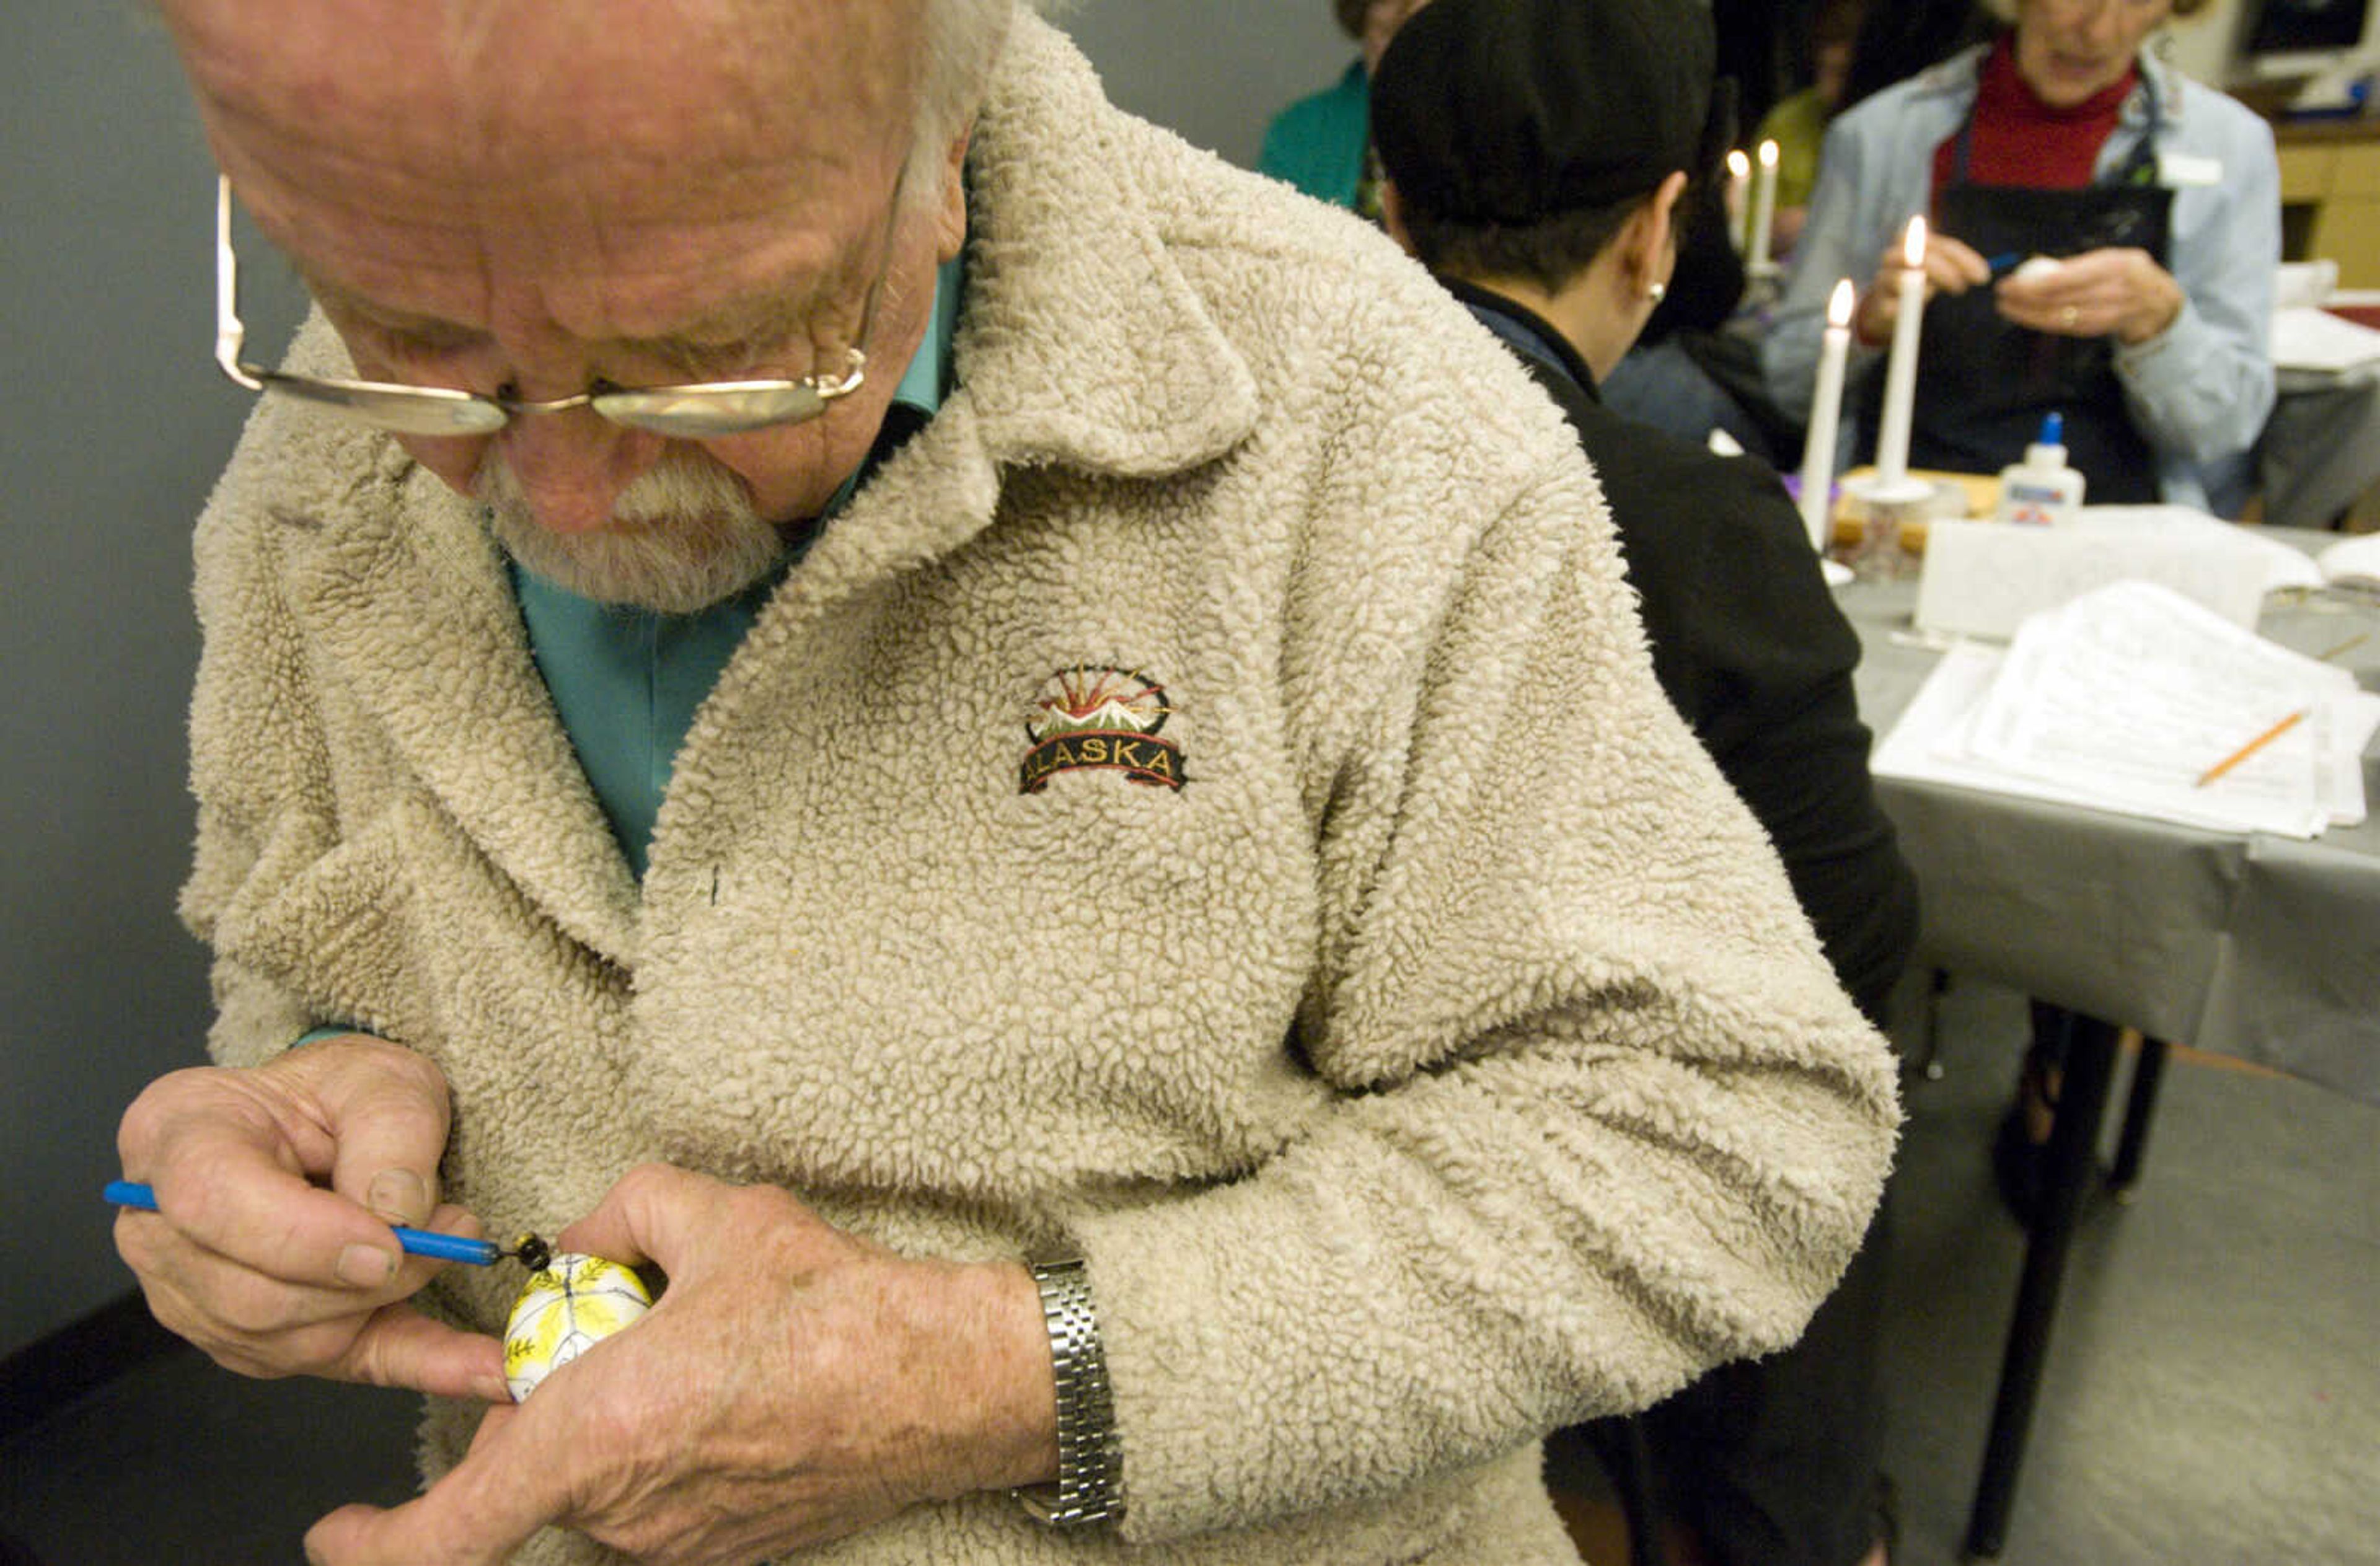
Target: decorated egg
571, 1303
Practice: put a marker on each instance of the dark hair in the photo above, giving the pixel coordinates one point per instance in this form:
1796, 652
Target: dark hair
2005, 10
1836, 21
1351, 16
1553, 249
1898, 39
1548, 252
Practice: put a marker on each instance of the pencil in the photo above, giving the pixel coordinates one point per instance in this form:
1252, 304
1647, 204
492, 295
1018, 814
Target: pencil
416, 1241
2254, 745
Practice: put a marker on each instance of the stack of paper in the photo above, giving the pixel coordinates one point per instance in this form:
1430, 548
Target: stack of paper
2302, 284
2125, 700
1985, 578
2353, 562
2305, 338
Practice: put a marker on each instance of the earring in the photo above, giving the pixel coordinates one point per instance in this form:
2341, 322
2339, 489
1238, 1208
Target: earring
1656, 292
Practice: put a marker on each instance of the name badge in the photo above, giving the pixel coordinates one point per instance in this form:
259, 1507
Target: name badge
2175, 170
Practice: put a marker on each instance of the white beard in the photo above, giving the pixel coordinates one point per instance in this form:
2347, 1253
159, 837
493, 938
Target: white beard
683, 536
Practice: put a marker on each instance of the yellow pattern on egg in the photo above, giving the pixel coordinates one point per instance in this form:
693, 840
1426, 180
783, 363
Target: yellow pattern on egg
570, 1304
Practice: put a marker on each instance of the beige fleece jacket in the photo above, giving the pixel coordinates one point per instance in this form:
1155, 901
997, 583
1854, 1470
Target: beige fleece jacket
1422, 1045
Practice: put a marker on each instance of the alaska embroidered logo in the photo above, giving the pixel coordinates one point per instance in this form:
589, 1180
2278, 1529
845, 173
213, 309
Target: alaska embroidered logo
1102, 718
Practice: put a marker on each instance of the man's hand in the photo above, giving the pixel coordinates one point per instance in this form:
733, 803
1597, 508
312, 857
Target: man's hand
794, 1384
2121, 293
250, 1257
1950, 268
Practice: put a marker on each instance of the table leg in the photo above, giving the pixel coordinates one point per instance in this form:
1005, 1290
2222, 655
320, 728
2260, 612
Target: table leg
2072, 1164
1936, 986
2140, 1104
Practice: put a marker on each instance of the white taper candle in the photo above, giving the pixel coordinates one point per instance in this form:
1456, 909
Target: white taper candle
1826, 415
1901, 372
1739, 209
1764, 208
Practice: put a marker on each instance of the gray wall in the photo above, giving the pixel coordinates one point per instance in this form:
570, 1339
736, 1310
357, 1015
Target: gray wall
1215, 71
115, 426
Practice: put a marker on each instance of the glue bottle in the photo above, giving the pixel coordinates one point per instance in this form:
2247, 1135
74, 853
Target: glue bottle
2042, 489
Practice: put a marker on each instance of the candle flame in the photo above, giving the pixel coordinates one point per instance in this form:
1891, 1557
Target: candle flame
1839, 304
1738, 165
1768, 155
1913, 244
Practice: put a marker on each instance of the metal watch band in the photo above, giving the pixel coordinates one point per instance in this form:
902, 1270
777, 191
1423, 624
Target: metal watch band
1090, 1459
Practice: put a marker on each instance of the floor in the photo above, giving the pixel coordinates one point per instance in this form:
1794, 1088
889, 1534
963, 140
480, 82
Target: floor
2214, 1387
2215, 1393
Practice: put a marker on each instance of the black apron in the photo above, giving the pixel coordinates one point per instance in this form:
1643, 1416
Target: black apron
1982, 382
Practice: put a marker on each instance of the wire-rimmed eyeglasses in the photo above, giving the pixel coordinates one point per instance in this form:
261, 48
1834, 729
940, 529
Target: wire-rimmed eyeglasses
692, 412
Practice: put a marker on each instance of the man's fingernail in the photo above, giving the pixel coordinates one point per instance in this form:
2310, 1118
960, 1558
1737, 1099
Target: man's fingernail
365, 1266
397, 1195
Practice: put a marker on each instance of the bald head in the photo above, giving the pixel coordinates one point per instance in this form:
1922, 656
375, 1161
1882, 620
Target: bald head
501, 90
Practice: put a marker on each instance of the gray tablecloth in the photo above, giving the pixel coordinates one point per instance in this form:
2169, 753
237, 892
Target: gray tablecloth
2260, 947
2321, 445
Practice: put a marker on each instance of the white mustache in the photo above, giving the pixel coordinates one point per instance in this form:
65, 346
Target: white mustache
683, 536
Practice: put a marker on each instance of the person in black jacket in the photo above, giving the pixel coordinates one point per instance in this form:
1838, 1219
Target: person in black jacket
1537, 154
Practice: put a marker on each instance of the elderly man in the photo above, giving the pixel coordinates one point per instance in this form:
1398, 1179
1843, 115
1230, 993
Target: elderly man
1017, 760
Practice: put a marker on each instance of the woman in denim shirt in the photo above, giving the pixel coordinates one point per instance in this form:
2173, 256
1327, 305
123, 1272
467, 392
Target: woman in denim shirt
2161, 350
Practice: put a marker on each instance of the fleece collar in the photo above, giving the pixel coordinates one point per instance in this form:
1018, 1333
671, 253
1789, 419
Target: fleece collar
410, 602
1084, 343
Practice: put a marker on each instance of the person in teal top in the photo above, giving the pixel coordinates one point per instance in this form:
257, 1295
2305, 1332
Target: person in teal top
1321, 143
1317, 143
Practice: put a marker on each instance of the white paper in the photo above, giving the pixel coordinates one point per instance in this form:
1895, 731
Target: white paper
2303, 283
1984, 578
2283, 565
2124, 699
2307, 339
2351, 562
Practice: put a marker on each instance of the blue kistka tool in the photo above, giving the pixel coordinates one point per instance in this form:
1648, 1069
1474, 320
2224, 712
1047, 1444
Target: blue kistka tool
415, 1241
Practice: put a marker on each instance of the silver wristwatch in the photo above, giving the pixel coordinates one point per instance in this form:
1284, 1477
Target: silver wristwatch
1090, 1459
